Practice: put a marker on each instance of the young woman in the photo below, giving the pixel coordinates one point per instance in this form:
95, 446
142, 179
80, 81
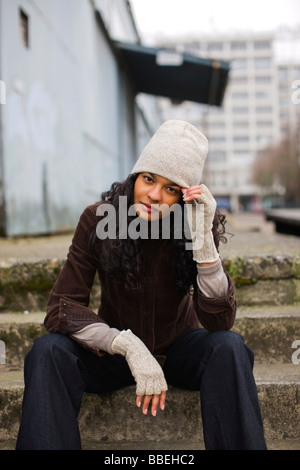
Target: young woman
165, 313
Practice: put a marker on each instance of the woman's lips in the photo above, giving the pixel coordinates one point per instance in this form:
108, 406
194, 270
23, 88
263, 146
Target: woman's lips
148, 207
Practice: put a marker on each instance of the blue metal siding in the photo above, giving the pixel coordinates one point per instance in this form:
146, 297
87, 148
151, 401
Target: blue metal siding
69, 118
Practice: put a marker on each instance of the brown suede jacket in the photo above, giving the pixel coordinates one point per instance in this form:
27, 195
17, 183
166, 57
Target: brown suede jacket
158, 315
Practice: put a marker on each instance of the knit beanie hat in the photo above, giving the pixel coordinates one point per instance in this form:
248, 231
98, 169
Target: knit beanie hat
177, 151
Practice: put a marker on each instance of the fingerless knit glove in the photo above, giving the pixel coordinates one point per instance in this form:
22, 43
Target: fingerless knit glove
148, 374
200, 220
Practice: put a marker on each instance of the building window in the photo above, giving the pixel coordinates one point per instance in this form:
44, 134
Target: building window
240, 110
239, 95
24, 27
263, 95
215, 46
217, 125
238, 45
284, 102
192, 47
260, 45
240, 138
284, 115
263, 79
263, 139
283, 73
262, 62
242, 155
237, 80
217, 139
217, 156
264, 109
239, 64
240, 124
260, 124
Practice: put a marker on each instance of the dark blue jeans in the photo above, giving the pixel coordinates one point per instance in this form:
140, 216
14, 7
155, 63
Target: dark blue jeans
58, 371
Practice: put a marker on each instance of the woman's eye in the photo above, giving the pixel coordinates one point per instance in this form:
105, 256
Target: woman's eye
172, 190
148, 179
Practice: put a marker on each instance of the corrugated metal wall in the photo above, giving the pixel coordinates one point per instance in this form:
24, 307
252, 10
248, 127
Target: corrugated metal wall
68, 125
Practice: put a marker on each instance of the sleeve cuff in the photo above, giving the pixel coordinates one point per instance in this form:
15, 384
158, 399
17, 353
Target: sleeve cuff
211, 280
97, 336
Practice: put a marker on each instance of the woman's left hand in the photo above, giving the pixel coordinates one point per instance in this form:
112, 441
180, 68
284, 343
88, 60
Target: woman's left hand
189, 194
204, 249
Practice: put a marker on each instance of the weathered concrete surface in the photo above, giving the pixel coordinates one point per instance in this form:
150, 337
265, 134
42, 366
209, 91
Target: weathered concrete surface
269, 331
11, 395
259, 279
250, 268
26, 285
169, 446
269, 292
278, 391
18, 331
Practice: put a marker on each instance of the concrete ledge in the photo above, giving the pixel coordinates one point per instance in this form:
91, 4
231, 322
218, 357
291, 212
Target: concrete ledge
114, 417
269, 331
18, 331
269, 292
26, 285
262, 267
272, 444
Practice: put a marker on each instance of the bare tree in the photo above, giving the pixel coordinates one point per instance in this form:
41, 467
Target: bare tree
278, 167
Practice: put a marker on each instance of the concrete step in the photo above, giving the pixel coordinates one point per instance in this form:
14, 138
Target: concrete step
262, 279
18, 332
269, 330
265, 279
169, 446
278, 391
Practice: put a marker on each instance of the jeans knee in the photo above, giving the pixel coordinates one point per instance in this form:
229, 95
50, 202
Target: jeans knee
43, 349
232, 344
230, 339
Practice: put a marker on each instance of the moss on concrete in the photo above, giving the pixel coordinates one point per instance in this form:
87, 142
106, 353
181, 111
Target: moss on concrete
18, 339
296, 268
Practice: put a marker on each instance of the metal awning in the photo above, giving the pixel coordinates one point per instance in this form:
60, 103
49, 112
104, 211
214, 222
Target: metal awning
179, 76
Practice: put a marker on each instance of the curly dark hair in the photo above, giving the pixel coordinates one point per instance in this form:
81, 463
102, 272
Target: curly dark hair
120, 256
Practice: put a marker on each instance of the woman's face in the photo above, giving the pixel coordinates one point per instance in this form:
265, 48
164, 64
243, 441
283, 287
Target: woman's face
151, 192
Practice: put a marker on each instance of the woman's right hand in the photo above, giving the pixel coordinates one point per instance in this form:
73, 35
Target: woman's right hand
149, 376
157, 401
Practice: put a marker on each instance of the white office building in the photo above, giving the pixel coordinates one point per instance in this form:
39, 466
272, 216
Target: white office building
257, 109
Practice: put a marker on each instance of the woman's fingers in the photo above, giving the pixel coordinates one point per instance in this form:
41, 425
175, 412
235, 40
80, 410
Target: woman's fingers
191, 193
162, 400
146, 403
157, 400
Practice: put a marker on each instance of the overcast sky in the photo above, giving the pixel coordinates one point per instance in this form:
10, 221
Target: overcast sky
171, 17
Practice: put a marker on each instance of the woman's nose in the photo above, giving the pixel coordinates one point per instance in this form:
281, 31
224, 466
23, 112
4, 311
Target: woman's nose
155, 194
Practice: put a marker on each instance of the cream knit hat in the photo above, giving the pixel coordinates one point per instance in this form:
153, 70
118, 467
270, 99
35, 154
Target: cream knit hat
177, 151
